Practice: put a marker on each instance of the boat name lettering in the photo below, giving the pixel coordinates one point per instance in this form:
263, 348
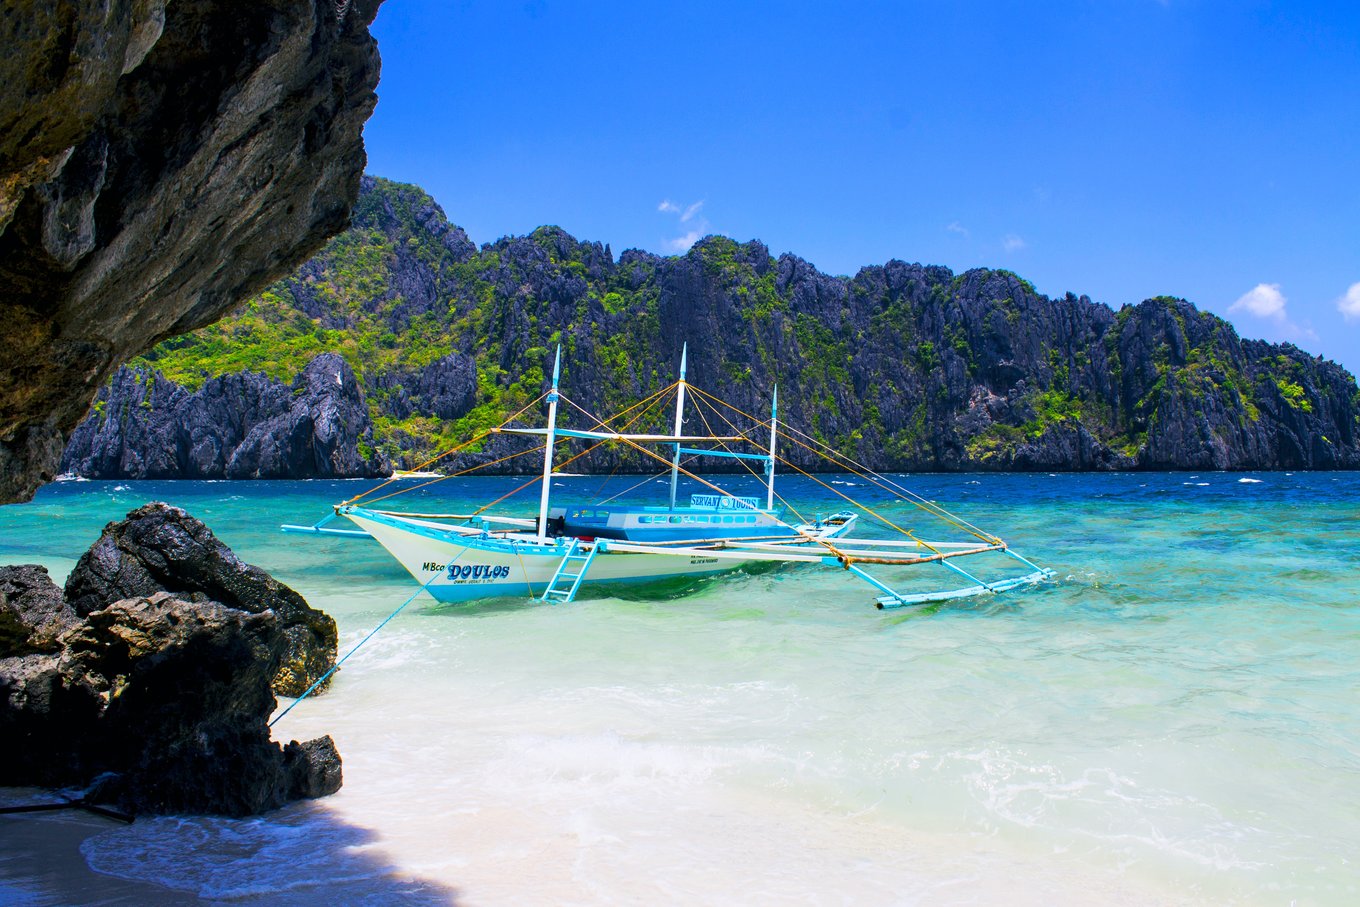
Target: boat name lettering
477, 571
467, 571
703, 560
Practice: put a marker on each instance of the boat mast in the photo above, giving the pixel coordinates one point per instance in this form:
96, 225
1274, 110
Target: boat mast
774, 430
548, 449
679, 421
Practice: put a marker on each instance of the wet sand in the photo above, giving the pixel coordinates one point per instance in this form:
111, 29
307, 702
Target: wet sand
41, 864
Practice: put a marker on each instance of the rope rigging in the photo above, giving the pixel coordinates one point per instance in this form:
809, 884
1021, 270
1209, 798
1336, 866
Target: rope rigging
431, 551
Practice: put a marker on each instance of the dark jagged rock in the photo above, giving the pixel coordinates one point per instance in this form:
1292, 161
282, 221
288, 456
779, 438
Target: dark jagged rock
313, 768
238, 426
325, 431
901, 366
162, 548
160, 705
159, 162
33, 612
445, 389
47, 719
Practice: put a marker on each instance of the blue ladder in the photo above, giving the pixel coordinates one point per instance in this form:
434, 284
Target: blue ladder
562, 587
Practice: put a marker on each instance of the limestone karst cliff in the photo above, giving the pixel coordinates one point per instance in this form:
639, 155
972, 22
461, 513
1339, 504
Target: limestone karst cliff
242, 425
903, 366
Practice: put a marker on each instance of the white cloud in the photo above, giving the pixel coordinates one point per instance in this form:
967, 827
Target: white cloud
689, 215
1264, 301
682, 243
956, 227
1012, 243
1349, 305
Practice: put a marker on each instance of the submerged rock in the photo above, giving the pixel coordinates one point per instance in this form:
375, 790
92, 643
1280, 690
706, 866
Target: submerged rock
160, 548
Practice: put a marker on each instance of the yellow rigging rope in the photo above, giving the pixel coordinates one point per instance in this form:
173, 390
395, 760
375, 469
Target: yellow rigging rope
438, 457
704, 400
746, 464
863, 472
485, 434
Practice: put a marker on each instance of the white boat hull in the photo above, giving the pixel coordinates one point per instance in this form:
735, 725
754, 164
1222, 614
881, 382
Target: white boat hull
465, 568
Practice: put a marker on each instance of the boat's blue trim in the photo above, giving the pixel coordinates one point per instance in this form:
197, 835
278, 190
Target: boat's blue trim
321, 530
614, 435
317, 528
725, 453
462, 593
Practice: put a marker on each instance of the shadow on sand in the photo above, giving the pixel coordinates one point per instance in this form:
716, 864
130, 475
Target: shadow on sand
301, 854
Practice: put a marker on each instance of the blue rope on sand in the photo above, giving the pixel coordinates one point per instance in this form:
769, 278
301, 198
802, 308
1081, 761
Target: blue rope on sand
372, 633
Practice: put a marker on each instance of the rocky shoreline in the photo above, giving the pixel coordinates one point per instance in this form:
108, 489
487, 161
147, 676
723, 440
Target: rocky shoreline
149, 680
238, 426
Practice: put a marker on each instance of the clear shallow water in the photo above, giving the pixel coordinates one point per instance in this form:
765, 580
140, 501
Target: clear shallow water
1173, 721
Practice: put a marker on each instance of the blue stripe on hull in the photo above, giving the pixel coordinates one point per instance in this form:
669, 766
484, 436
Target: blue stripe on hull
466, 592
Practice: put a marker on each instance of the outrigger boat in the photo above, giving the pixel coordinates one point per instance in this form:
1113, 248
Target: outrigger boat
461, 557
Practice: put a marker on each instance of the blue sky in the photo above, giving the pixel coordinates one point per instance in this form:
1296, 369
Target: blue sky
1117, 148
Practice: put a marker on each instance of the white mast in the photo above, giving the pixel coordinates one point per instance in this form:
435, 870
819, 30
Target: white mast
774, 428
679, 422
548, 449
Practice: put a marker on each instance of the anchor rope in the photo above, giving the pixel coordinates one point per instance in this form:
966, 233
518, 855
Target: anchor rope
372, 633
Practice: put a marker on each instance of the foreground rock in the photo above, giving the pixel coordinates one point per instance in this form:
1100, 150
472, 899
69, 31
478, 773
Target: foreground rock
33, 611
159, 705
159, 162
160, 548
239, 426
150, 680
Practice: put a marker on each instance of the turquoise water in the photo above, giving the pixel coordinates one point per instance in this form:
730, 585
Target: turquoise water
1173, 720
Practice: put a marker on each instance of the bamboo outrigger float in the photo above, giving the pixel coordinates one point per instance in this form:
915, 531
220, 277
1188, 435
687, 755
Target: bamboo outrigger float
462, 557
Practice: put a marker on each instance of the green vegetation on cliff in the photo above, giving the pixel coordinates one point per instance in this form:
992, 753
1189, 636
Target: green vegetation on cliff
902, 366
